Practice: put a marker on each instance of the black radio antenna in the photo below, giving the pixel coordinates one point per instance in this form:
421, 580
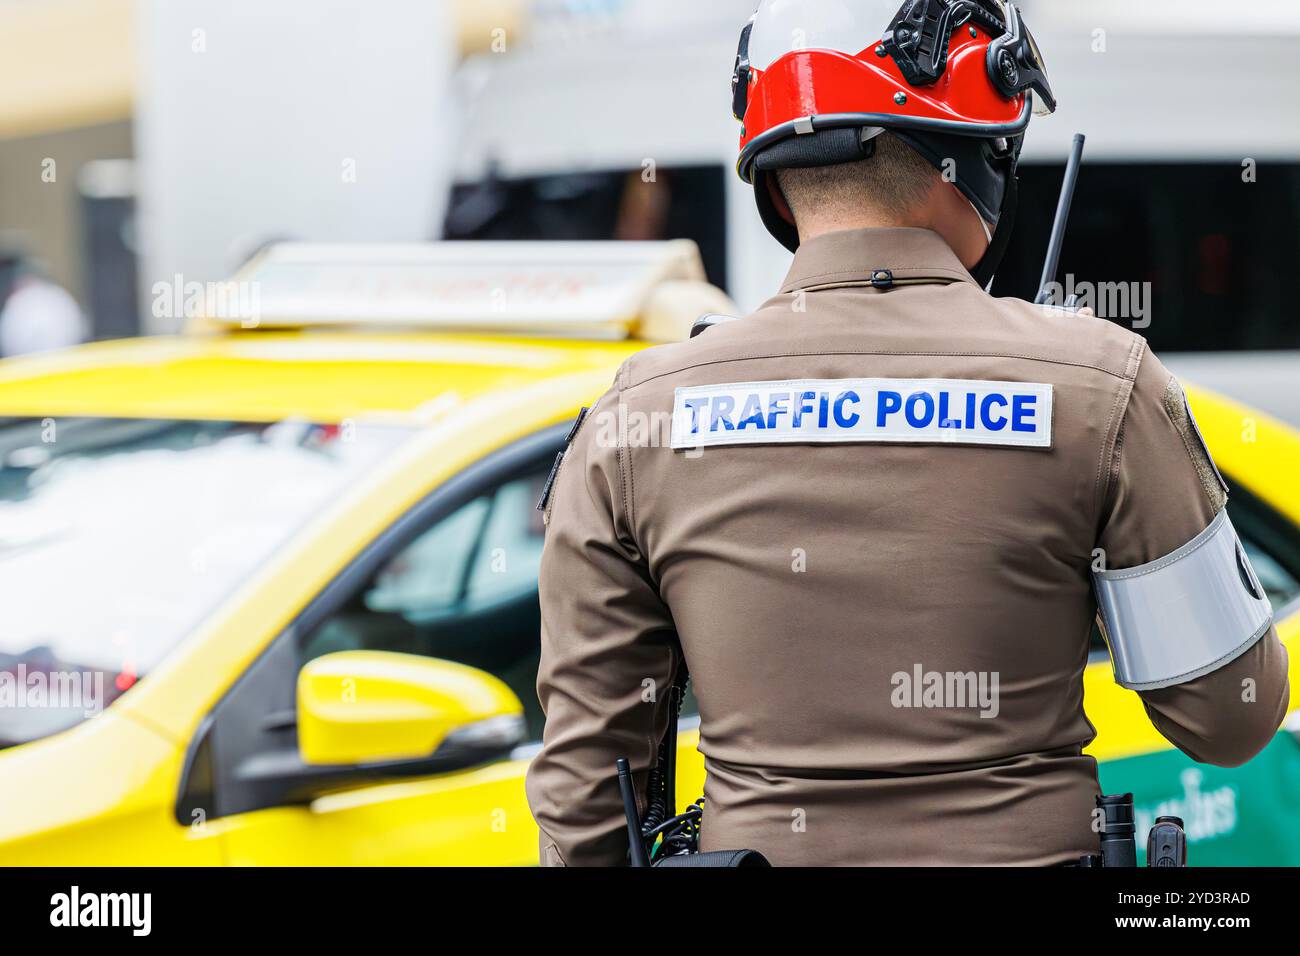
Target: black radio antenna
1053, 261
637, 855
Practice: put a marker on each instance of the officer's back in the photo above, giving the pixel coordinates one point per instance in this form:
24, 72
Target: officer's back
886, 639
874, 518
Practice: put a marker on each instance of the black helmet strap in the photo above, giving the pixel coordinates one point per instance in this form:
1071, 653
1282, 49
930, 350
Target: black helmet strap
987, 267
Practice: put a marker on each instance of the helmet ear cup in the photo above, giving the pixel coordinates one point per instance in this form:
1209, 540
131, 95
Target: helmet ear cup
1014, 64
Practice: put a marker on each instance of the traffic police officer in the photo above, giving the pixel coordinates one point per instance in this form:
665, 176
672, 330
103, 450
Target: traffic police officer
889, 506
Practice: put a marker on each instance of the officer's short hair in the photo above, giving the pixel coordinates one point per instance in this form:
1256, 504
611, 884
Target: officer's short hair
894, 180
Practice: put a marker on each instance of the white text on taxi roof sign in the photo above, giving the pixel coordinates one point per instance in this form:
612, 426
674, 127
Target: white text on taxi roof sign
846, 410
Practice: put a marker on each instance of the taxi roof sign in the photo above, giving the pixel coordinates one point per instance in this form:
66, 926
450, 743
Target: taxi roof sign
600, 289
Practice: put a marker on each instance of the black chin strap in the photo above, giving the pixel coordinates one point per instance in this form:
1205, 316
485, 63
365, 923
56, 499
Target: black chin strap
782, 230
987, 267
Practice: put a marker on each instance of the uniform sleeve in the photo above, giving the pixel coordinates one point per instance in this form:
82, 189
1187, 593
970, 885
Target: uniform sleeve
609, 653
1163, 491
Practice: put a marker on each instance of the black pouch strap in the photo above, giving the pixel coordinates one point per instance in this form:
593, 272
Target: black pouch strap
559, 460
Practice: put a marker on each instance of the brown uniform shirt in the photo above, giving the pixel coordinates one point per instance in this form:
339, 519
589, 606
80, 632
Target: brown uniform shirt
800, 580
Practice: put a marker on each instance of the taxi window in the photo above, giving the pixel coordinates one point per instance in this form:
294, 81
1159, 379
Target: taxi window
118, 537
464, 590
483, 555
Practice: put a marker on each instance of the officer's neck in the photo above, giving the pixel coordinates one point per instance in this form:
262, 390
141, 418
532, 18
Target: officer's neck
945, 211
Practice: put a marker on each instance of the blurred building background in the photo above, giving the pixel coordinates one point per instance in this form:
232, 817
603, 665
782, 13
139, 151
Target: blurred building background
142, 140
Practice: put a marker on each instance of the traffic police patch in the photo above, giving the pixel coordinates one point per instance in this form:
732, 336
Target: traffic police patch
845, 410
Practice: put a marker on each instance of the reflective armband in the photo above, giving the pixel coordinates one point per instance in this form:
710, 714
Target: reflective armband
1183, 615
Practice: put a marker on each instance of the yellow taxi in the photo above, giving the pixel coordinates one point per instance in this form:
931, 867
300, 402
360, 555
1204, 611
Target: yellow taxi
268, 589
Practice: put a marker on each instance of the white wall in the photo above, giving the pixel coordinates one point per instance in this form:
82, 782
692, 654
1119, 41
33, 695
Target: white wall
248, 128
1181, 86
644, 89
1182, 96
248, 139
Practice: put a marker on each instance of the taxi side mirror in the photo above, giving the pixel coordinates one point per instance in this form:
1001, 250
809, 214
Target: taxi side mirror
382, 708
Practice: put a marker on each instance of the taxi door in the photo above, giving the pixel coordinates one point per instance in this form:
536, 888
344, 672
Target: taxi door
454, 579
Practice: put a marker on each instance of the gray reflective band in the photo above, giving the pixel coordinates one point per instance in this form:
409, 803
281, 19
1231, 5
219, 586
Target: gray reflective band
1184, 615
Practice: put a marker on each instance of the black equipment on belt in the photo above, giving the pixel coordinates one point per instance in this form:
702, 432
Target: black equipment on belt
670, 839
1166, 843
667, 838
1118, 846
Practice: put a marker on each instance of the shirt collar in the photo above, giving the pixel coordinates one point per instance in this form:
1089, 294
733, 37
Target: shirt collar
854, 255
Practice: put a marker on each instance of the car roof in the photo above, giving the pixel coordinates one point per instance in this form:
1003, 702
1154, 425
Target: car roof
320, 376
1262, 380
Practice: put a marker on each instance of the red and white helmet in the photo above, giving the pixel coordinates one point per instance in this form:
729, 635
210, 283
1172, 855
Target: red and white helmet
816, 81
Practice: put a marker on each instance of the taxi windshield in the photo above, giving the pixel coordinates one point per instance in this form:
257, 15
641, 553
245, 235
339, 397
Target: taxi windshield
118, 537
